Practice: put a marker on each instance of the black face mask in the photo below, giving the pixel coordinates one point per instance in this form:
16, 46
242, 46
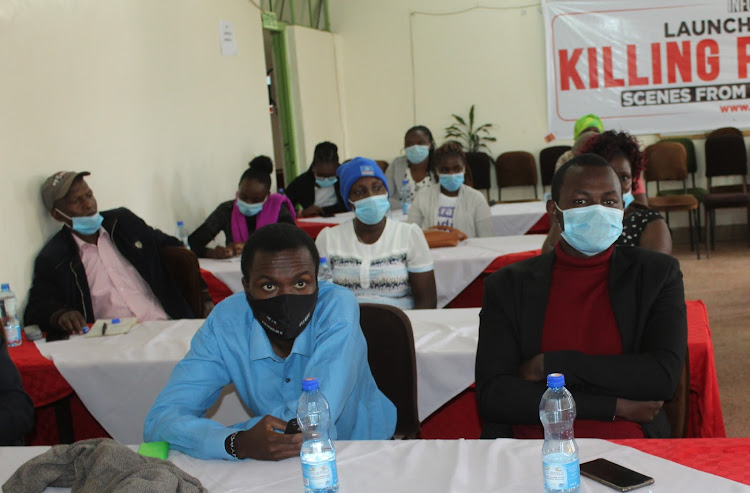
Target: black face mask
284, 317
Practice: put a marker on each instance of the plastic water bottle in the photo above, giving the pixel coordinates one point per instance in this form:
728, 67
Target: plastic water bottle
9, 307
318, 455
324, 271
405, 197
182, 234
557, 411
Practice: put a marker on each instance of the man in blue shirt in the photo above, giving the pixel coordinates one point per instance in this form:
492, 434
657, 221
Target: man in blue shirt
283, 328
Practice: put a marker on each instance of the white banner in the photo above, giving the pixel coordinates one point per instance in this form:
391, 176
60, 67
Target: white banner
648, 66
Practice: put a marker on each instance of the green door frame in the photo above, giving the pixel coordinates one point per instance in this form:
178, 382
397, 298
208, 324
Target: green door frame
284, 100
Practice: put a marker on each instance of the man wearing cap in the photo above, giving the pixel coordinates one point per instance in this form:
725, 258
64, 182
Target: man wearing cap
99, 265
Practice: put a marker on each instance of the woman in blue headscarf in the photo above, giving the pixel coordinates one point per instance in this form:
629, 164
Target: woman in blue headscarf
381, 260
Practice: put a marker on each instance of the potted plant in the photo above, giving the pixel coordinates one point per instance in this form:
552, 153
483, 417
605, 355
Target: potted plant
472, 139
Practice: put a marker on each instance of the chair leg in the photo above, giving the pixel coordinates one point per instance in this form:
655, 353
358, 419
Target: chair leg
707, 223
64, 419
696, 238
690, 229
713, 229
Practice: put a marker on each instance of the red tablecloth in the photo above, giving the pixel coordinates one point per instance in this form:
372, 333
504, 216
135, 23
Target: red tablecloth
725, 457
216, 289
471, 296
47, 387
312, 228
459, 418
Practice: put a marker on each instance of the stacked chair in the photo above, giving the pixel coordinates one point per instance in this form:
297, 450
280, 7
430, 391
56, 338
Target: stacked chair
726, 155
516, 169
479, 167
547, 160
667, 161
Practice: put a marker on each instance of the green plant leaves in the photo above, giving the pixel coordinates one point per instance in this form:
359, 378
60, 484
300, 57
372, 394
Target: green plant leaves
472, 139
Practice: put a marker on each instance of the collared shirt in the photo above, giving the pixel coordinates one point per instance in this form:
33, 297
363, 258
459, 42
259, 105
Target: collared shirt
117, 289
232, 347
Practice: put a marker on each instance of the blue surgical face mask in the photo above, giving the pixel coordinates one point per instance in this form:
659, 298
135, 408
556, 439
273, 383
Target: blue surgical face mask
592, 229
372, 209
627, 199
86, 225
417, 154
249, 209
326, 182
452, 182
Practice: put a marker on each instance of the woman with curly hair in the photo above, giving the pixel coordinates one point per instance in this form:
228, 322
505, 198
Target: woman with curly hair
642, 226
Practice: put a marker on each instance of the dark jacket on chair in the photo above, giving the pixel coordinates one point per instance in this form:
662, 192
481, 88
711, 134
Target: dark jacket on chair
648, 303
302, 191
60, 278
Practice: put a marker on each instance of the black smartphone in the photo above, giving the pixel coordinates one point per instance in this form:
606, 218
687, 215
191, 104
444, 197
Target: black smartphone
614, 475
291, 427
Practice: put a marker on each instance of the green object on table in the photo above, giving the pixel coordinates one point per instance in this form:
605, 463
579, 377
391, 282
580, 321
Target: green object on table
160, 450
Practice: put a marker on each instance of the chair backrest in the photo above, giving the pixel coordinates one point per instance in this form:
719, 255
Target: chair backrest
725, 155
548, 159
382, 164
678, 407
689, 145
479, 167
182, 265
390, 352
666, 161
725, 132
515, 169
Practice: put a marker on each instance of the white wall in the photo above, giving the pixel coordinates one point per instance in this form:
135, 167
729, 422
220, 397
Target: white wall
407, 62
135, 91
315, 93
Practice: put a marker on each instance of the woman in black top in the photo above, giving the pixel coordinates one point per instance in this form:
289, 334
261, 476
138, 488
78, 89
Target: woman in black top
317, 189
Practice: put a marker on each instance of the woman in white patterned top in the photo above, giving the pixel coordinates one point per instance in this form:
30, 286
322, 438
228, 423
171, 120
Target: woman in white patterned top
416, 167
381, 260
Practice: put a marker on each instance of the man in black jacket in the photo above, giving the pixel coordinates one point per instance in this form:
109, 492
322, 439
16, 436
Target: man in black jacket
611, 319
16, 409
99, 265
317, 189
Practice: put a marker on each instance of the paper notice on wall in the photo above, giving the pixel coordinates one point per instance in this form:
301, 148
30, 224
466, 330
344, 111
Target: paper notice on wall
226, 35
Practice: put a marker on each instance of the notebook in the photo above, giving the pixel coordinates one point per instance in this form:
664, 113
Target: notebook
111, 327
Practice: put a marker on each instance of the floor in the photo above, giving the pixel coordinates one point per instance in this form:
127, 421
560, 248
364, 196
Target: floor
723, 283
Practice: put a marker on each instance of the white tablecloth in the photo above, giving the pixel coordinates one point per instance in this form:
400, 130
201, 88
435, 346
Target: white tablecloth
412, 466
119, 377
507, 219
455, 267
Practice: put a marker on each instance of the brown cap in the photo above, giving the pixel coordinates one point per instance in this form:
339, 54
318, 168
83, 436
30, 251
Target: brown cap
56, 186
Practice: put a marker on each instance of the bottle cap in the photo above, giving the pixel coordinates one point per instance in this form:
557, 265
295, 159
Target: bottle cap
323, 259
179, 223
5, 287
115, 320
555, 380
310, 384
405, 182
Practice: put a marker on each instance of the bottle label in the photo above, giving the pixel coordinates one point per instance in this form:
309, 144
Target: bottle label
320, 475
560, 472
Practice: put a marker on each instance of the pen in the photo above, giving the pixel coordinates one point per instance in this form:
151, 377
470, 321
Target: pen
104, 328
